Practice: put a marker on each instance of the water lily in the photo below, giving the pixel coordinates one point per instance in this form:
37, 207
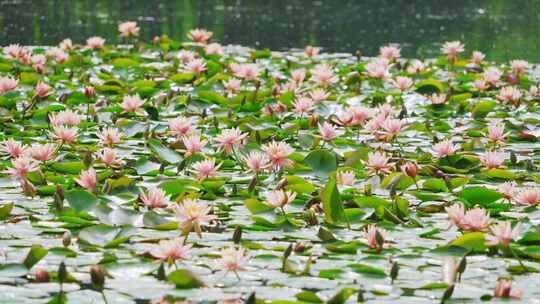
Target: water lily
192, 214
278, 153
181, 126
256, 161
128, 28
528, 196
230, 139
109, 157
205, 168
95, 42
451, 49
375, 237
200, 35
234, 260
280, 198
171, 250
131, 103
14, 148
504, 289
193, 143
155, 198
378, 163
88, 179
502, 233
444, 148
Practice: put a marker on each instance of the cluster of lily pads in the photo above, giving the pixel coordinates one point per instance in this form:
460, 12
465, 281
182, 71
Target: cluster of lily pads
169, 171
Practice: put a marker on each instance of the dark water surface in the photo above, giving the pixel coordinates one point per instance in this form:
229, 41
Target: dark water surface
503, 29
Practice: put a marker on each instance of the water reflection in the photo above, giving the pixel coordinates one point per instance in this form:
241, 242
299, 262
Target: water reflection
503, 29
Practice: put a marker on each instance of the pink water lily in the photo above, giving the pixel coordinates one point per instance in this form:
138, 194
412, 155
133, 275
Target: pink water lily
66, 44
375, 237
193, 143
7, 84
65, 134
109, 157
477, 57
528, 196
95, 42
319, 95
323, 75
171, 250
303, 105
87, 179
328, 132
109, 136
196, 66
492, 76
502, 233
230, 139
451, 49
128, 28
205, 169
21, 166
234, 259
256, 161
496, 133
181, 126
492, 159
214, 49
64, 118
44, 152
278, 153
155, 198
403, 83
438, 99
43, 90
279, 198
519, 66
131, 103
345, 178
507, 189
192, 214
200, 35
378, 68
14, 148
390, 52
445, 148
232, 86
476, 219
378, 163
509, 94
504, 289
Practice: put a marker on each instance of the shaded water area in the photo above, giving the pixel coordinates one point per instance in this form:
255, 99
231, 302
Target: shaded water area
500, 28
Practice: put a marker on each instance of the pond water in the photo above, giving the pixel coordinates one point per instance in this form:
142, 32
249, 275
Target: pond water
502, 29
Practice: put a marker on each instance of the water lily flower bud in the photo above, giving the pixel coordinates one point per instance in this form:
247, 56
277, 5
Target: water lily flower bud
410, 169
97, 274
66, 239
237, 235
90, 92
42, 275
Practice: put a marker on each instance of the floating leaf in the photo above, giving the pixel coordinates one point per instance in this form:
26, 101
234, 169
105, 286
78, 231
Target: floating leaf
81, 200
5, 210
36, 253
333, 209
474, 241
479, 195
164, 153
185, 279
322, 162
